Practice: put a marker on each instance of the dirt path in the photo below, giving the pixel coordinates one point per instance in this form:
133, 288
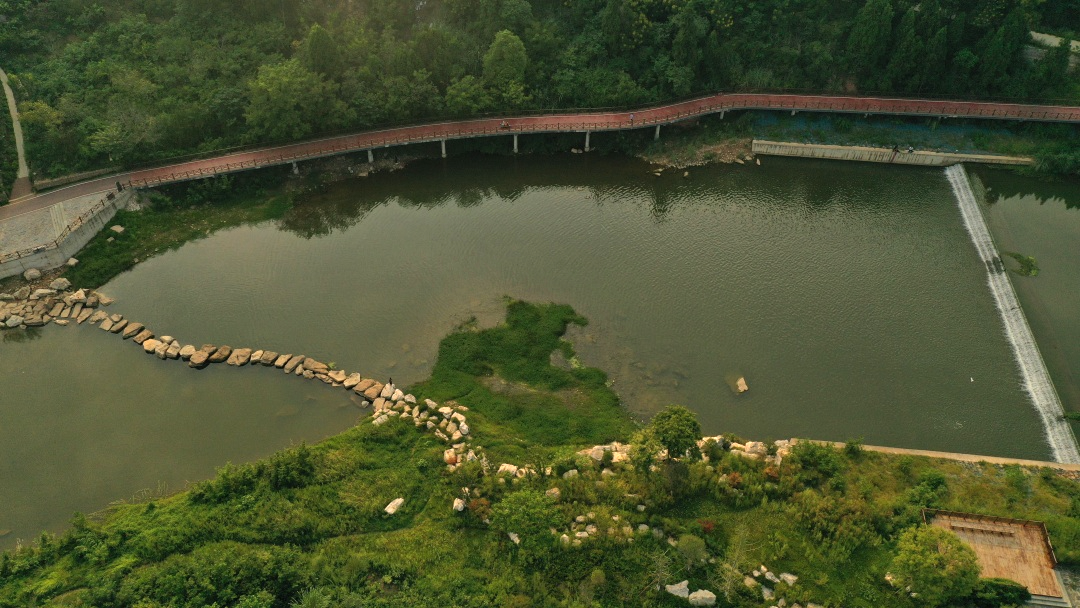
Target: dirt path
22, 185
965, 457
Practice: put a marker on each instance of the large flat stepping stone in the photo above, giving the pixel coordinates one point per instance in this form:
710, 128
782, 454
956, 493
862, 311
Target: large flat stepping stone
363, 385
187, 351
98, 316
255, 356
56, 309
352, 381
132, 329
315, 366
239, 357
117, 327
143, 336
77, 309
293, 363
150, 345
374, 391
221, 354
199, 359
107, 324
268, 357
174, 351
282, 360
162, 350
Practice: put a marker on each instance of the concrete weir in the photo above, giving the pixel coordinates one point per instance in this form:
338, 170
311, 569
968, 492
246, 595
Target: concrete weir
1037, 382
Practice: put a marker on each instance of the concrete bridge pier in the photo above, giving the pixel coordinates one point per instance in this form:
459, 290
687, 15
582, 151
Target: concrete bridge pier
587, 134
515, 143
721, 114
370, 156
793, 112
295, 169
443, 143
656, 135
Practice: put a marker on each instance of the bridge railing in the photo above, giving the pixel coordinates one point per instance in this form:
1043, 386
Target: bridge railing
612, 121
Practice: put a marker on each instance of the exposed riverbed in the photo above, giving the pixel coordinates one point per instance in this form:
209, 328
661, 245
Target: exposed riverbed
849, 296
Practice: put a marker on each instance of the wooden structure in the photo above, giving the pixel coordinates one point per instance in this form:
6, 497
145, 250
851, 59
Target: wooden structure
1015, 549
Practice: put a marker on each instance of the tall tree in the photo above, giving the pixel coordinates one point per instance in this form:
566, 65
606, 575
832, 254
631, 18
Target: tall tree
289, 101
505, 61
320, 53
868, 42
935, 564
907, 54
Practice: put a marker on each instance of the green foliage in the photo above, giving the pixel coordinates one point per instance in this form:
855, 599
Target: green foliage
677, 429
935, 564
816, 463
505, 61
289, 101
999, 593
132, 82
529, 514
692, 549
1029, 267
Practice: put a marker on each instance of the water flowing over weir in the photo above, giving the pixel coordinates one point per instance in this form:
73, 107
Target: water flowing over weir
1037, 380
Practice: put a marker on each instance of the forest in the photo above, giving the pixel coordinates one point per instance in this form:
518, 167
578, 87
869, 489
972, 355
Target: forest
134, 82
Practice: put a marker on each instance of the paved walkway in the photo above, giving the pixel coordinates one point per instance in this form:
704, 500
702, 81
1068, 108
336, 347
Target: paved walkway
22, 185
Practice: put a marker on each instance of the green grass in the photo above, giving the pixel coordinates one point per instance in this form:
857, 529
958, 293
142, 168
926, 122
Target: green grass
1029, 267
308, 523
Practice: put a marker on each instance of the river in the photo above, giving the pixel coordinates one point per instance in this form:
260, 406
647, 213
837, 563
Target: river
848, 295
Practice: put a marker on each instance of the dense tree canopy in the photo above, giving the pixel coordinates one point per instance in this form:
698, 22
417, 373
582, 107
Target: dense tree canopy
137, 80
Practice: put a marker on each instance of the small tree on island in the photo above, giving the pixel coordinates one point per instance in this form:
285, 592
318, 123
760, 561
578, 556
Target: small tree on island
677, 429
935, 564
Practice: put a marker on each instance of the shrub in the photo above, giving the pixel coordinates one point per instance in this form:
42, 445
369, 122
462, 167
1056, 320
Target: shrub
936, 564
677, 429
999, 593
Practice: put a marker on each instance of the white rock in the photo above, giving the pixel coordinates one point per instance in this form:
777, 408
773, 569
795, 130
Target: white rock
72, 262
394, 506
459, 505
14, 321
507, 468
32, 274
767, 594
772, 577
702, 597
387, 391
553, 493
397, 395
788, 578
514, 537
60, 284
410, 399
679, 589
570, 474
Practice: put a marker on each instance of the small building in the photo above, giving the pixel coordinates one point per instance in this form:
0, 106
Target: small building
1015, 549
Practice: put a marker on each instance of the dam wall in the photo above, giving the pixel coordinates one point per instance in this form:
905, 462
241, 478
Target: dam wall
881, 155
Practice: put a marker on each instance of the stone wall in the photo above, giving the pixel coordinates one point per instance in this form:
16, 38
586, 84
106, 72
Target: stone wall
78, 234
881, 155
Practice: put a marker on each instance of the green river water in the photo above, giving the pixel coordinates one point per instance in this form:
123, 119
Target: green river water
848, 295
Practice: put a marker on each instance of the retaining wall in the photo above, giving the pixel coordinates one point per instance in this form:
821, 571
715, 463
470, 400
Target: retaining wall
79, 233
881, 155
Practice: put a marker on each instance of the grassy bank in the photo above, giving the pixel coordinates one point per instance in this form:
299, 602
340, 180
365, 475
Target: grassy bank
306, 527
175, 215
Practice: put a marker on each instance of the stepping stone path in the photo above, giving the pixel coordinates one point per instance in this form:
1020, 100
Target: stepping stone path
60, 306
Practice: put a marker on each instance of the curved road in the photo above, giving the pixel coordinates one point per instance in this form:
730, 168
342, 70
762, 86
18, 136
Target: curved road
553, 123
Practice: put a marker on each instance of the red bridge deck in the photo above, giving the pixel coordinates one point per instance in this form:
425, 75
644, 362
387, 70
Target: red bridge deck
555, 123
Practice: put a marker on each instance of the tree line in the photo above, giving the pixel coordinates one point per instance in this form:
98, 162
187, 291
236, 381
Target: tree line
137, 81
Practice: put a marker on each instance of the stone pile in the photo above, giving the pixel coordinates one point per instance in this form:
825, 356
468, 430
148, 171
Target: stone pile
34, 308
447, 422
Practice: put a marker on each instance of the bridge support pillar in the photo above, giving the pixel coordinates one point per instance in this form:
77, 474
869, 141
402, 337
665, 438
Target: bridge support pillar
656, 135
587, 134
443, 142
295, 169
721, 114
793, 112
515, 143
370, 156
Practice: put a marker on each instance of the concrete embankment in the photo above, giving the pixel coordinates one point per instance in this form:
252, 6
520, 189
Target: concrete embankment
881, 155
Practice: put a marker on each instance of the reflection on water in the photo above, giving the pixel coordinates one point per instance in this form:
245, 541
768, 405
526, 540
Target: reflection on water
849, 296
1042, 219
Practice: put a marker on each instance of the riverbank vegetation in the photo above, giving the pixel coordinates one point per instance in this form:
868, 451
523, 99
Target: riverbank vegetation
168, 217
140, 81
306, 527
